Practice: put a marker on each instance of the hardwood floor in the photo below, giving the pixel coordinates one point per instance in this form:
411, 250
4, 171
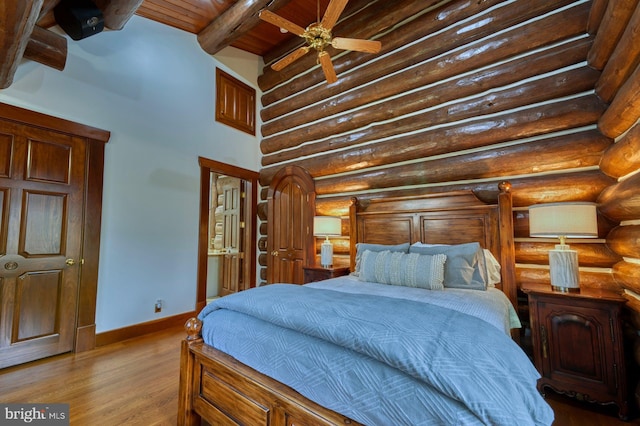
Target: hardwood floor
573, 413
135, 382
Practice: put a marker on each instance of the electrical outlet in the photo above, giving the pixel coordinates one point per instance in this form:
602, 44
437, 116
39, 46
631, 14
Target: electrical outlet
158, 306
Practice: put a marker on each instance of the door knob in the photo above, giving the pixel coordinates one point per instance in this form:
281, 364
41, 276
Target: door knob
10, 266
274, 253
70, 262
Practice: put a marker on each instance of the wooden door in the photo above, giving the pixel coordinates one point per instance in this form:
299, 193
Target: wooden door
42, 180
576, 342
232, 194
290, 211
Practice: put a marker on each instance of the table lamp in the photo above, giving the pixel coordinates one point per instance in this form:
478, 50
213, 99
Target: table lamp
563, 220
327, 226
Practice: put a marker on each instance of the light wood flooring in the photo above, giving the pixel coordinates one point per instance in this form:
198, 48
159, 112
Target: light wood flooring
135, 382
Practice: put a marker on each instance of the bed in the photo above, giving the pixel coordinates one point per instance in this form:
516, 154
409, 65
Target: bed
327, 353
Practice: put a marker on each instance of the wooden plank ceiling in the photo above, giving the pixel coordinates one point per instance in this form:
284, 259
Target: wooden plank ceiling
217, 23
195, 15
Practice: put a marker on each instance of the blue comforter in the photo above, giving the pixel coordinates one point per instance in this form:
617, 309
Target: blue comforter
379, 360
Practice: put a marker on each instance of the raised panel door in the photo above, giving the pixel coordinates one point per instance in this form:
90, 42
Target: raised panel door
291, 207
288, 238
577, 337
232, 191
42, 186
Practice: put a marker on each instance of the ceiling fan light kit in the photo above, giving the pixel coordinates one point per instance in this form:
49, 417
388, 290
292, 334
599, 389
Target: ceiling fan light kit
318, 36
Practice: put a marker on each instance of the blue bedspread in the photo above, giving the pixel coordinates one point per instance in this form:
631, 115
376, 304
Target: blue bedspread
378, 360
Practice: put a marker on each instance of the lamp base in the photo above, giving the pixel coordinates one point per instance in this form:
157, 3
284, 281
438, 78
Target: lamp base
565, 289
326, 254
563, 269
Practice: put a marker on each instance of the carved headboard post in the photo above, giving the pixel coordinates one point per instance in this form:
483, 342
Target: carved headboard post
507, 247
353, 233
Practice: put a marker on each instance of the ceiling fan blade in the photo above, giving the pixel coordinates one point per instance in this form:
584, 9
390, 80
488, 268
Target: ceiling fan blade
327, 67
368, 46
279, 21
293, 56
333, 12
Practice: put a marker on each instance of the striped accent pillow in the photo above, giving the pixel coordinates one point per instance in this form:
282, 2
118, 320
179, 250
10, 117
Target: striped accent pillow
362, 247
403, 269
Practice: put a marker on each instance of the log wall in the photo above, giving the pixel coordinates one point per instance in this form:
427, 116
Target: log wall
465, 94
619, 85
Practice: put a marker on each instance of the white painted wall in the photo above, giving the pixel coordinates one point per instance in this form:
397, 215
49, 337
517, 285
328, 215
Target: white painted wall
153, 88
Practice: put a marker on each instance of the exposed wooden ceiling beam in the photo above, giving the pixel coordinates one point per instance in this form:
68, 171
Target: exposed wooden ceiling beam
233, 23
47, 48
117, 12
15, 31
21, 37
47, 6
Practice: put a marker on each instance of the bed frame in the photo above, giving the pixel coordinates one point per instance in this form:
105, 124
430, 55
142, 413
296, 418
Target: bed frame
217, 389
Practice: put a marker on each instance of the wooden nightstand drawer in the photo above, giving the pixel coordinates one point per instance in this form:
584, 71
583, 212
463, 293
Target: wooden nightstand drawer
318, 273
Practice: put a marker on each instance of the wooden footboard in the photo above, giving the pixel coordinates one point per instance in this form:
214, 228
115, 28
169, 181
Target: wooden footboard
218, 389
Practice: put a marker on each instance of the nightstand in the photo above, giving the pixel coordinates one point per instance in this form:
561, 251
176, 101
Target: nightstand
577, 344
318, 273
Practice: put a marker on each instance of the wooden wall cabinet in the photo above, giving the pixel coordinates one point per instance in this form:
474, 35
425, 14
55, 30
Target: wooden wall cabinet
578, 344
235, 103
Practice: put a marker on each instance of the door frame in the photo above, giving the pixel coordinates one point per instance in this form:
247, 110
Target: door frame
207, 167
85, 329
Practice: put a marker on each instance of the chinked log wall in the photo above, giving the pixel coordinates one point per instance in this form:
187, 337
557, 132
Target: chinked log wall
466, 94
617, 55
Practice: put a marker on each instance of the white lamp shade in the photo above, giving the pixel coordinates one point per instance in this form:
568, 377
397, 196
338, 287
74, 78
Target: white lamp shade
563, 220
571, 220
327, 226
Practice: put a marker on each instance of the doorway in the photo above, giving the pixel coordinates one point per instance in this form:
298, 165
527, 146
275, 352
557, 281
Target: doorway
228, 228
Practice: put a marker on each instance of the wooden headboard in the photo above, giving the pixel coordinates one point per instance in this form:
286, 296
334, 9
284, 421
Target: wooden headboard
447, 218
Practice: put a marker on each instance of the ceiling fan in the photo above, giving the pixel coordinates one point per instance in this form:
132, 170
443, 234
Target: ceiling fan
318, 36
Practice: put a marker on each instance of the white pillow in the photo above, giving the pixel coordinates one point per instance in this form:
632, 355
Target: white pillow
493, 268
